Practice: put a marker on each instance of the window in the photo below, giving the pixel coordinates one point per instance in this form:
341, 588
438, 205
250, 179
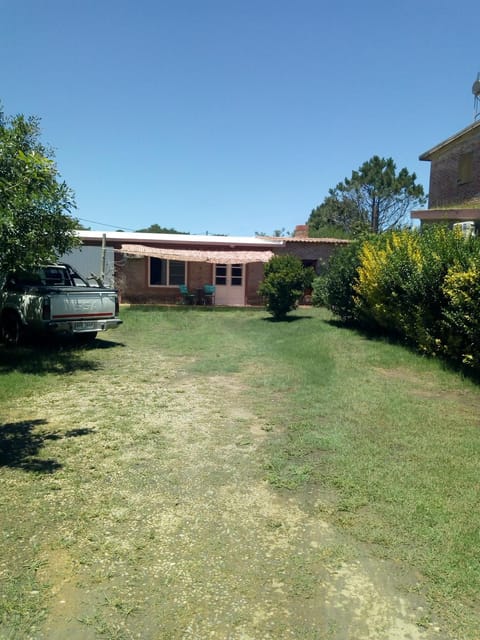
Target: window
221, 274
237, 275
229, 275
165, 273
55, 276
465, 168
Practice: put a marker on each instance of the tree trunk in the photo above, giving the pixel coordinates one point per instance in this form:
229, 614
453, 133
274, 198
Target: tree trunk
375, 215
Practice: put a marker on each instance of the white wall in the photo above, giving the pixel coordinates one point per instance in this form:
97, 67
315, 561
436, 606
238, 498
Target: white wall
88, 261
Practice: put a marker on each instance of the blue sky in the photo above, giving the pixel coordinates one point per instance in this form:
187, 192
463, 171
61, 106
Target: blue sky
233, 116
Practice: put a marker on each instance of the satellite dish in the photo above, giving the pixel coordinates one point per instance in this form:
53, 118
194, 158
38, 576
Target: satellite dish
476, 88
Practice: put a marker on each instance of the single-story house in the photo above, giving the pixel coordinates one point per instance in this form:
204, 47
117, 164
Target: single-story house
149, 267
454, 193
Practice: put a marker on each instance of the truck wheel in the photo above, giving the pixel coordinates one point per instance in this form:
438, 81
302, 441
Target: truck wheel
11, 329
86, 338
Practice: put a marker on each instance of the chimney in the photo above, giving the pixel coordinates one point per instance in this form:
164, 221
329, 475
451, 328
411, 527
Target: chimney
301, 231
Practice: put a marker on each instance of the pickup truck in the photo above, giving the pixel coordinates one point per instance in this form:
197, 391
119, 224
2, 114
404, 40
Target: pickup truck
55, 299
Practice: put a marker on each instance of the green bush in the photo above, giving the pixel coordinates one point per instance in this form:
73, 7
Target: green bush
335, 289
460, 337
423, 286
284, 283
319, 291
390, 291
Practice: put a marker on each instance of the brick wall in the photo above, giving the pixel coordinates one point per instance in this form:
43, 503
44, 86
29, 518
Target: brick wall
446, 186
253, 277
133, 282
310, 251
132, 276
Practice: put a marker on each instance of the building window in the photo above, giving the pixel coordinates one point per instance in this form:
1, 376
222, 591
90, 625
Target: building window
465, 168
167, 273
237, 272
221, 274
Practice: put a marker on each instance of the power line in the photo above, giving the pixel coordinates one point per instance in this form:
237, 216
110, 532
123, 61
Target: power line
104, 224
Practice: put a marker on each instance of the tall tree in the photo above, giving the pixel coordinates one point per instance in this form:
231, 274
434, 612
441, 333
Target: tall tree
380, 194
337, 216
35, 225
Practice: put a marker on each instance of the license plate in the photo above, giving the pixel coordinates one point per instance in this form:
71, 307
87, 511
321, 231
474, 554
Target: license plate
84, 326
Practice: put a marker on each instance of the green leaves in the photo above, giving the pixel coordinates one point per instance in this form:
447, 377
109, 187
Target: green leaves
375, 196
284, 283
384, 196
35, 225
424, 287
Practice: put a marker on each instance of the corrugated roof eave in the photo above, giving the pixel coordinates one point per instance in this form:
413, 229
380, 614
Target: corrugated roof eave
427, 155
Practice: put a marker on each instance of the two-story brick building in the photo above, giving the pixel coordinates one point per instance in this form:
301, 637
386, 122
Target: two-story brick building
454, 192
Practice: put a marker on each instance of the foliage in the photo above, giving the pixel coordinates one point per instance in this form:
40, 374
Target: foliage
337, 217
285, 280
400, 283
319, 291
35, 225
277, 233
461, 316
376, 195
156, 228
423, 286
388, 286
334, 289
328, 231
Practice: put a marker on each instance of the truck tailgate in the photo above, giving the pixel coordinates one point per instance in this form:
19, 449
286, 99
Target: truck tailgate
82, 304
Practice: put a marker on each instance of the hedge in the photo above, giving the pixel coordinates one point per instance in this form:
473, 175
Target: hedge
423, 286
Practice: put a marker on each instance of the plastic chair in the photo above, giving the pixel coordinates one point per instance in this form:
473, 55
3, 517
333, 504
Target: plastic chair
208, 294
187, 297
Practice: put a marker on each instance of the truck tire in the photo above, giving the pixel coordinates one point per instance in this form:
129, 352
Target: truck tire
11, 329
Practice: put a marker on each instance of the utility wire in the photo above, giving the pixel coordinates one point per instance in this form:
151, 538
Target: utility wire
104, 224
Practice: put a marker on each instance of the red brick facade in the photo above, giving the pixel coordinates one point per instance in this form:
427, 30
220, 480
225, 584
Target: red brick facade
455, 170
132, 279
454, 194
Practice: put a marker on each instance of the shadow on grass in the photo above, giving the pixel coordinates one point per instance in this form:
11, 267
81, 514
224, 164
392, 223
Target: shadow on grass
393, 339
286, 319
52, 356
20, 446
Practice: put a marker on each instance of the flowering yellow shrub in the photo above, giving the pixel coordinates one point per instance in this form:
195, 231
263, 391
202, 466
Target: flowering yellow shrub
462, 314
423, 285
388, 268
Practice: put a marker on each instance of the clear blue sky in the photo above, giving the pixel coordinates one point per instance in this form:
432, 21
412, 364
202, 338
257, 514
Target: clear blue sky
233, 116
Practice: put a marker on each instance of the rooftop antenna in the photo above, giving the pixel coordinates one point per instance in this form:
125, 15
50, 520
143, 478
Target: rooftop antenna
476, 99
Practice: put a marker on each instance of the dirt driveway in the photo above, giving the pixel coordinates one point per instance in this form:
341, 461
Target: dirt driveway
160, 524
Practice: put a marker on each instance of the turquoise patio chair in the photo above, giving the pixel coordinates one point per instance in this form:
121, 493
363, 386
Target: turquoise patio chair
187, 297
209, 294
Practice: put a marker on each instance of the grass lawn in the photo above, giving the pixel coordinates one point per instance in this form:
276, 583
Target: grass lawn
107, 451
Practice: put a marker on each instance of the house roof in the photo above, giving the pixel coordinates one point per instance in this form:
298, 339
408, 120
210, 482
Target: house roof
428, 155
130, 237
317, 241
301, 240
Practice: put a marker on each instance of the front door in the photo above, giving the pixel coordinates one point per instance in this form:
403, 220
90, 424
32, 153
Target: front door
230, 285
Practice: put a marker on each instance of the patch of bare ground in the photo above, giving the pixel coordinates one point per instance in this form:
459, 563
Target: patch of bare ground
162, 526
